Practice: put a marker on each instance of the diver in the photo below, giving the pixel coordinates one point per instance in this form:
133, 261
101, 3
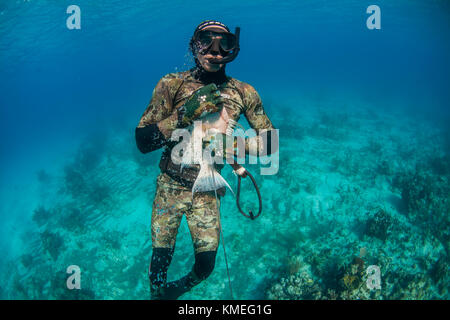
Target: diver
178, 99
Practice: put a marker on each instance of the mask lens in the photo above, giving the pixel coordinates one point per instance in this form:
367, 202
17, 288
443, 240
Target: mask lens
205, 38
227, 40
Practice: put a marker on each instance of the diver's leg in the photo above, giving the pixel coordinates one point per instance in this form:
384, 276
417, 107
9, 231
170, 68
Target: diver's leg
157, 273
166, 217
204, 265
203, 222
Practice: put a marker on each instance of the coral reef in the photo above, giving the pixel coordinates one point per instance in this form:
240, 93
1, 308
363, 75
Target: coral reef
298, 286
349, 283
41, 215
425, 197
352, 192
52, 243
378, 224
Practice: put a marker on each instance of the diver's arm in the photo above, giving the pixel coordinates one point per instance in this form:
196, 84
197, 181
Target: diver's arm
159, 119
154, 136
258, 120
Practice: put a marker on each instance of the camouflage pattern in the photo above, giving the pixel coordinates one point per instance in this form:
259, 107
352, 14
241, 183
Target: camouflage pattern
174, 89
172, 199
206, 99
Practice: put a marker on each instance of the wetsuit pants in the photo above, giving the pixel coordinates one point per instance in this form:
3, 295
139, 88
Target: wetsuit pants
172, 201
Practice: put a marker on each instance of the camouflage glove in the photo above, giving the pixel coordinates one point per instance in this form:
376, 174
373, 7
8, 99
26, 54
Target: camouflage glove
205, 100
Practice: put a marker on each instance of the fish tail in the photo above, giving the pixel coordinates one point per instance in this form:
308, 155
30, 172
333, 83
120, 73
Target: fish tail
209, 179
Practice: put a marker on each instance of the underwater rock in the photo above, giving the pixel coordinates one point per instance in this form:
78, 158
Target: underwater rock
98, 193
378, 225
411, 287
384, 168
27, 260
112, 239
440, 165
73, 219
415, 190
310, 187
329, 270
425, 197
422, 193
440, 269
91, 152
52, 243
75, 183
41, 216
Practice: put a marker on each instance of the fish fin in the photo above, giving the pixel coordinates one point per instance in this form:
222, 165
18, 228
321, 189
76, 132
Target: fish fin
209, 179
190, 154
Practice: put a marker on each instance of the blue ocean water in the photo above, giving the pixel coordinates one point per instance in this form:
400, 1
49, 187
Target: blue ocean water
364, 148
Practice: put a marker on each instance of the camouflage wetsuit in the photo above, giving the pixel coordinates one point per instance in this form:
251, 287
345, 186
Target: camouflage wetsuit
173, 195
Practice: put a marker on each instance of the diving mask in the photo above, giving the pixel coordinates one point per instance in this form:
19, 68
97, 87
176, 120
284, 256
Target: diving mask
224, 41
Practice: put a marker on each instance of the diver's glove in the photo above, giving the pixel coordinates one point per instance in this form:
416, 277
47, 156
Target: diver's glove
205, 100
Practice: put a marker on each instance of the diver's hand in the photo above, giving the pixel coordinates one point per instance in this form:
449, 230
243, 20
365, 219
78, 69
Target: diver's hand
205, 100
239, 170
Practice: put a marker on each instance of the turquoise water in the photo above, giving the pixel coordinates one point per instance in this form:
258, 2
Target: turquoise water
364, 148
